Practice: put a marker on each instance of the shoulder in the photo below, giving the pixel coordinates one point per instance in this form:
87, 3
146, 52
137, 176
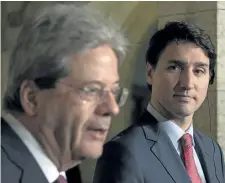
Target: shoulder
130, 141
129, 134
9, 168
119, 157
208, 142
129, 138
136, 135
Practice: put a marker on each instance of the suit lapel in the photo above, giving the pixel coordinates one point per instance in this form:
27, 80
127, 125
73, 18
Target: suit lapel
205, 155
163, 149
20, 156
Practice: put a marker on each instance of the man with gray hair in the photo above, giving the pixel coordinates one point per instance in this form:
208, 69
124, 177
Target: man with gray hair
63, 88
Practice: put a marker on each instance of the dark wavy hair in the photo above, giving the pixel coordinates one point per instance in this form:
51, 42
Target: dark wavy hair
181, 31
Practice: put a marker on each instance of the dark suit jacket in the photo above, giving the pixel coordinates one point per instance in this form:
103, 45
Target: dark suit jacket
17, 163
144, 154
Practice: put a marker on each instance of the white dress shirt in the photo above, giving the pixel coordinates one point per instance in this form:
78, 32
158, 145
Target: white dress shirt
175, 133
47, 166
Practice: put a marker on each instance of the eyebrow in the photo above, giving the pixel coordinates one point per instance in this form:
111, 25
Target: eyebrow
99, 82
183, 63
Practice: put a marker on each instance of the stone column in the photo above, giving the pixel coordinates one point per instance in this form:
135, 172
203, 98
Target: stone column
210, 17
221, 74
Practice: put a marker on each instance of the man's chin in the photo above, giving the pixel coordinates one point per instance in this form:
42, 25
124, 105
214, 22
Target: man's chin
71, 165
183, 114
93, 151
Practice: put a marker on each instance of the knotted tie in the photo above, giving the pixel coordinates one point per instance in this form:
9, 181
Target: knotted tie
188, 157
61, 179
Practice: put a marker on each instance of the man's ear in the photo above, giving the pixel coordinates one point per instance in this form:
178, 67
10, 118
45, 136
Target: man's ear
149, 73
28, 97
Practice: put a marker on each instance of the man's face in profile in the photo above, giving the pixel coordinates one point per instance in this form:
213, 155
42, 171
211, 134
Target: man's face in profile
76, 115
180, 80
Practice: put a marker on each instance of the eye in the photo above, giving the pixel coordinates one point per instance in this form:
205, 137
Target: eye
199, 71
91, 90
116, 91
174, 68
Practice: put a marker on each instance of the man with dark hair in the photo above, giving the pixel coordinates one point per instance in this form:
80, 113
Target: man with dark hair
62, 91
163, 147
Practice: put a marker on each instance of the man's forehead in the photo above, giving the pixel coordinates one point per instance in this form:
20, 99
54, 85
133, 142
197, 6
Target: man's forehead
184, 53
202, 63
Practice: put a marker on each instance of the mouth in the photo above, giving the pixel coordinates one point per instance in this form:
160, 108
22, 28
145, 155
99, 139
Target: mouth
98, 133
183, 98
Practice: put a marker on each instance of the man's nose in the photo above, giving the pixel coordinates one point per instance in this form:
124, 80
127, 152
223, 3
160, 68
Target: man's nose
109, 105
186, 79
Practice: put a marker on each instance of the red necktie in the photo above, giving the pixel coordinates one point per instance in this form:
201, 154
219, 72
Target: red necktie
61, 179
186, 143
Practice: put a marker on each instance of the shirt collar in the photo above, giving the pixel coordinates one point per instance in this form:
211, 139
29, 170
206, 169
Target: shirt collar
170, 128
47, 166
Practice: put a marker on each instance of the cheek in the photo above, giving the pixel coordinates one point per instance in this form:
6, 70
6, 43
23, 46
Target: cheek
171, 79
164, 84
72, 109
202, 93
64, 113
73, 116
48, 111
79, 116
84, 145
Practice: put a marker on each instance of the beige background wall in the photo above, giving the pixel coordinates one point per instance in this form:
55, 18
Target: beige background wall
220, 90
140, 20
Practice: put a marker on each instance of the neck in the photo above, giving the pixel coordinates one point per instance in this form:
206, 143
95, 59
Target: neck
46, 138
58, 154
27, 121
184, 122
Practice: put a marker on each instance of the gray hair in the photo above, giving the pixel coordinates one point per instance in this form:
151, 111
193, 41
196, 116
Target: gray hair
47, 40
